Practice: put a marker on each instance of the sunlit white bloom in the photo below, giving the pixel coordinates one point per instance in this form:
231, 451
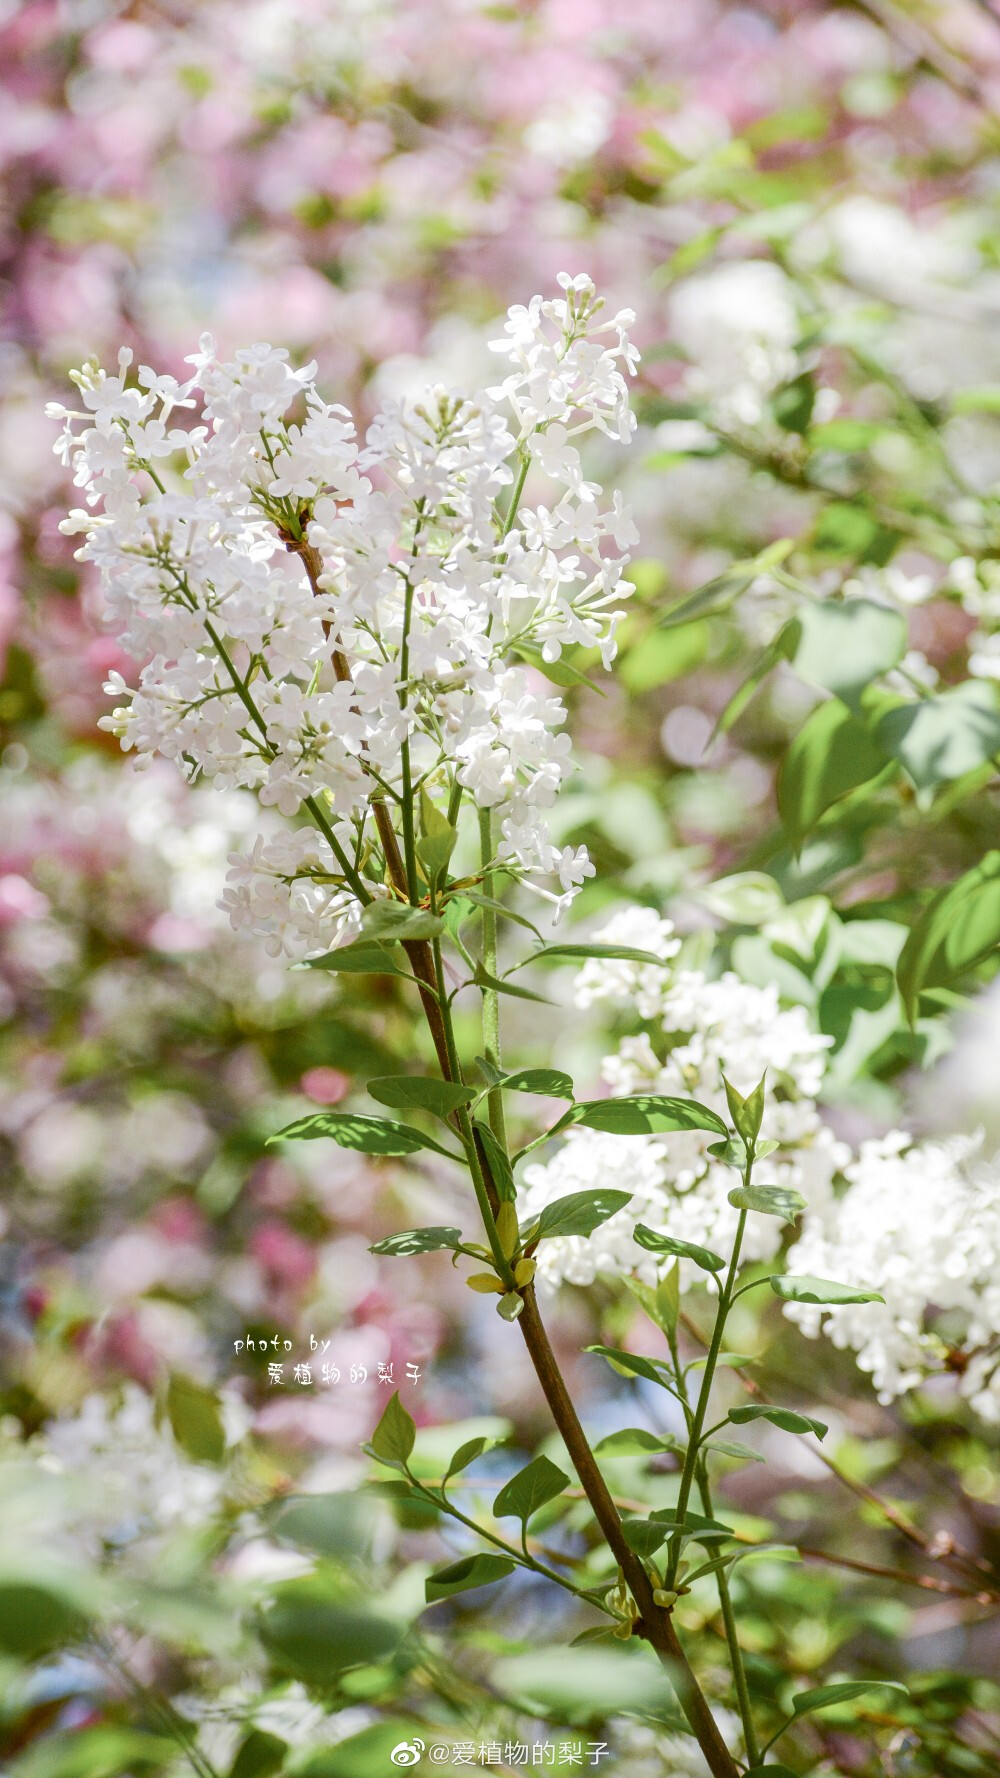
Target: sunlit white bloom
920, 1223
739, 326
699, 1030
313, 617
135, 1482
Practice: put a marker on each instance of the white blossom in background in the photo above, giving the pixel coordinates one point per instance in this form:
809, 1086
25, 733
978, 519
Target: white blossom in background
739, 326
920, 1222
699, 1029
313, 617
133, 1482
646, 1752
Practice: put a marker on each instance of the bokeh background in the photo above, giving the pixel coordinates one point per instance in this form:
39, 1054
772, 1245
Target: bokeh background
800, 201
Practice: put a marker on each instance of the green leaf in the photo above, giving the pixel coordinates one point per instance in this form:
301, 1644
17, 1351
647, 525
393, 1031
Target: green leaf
646, 1296
844, 528
368, 1754
793, 1289
101, 1751
259, 1755
498, 1160
36, 1617
429, 1240
317, 1628
656, 1243
466, 1454
551, 1082
731, 1447
533, 1487
418, 1092
560, 672
769, 1200
746, 1113
510, 1305
353, 1129
629, 1363
793, 403
584, 1686
843, 645
340, 1525
832, 754
714, 595
437, 841
635, 1441
644, 1537
394, 919
195, 1419
483, 979
645, 1114
982, 400
940, 738
959, 928
395, 1435
617, 953
747, 898
766, 664
652, 657
694, 1526
734, 1360
479, 900
786, 1418
580, 1213
361, 958
731, 1153
460, 1577
668, 1300
821, 1696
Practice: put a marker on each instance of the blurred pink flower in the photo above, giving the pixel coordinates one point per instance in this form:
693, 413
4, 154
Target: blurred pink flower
325, 1086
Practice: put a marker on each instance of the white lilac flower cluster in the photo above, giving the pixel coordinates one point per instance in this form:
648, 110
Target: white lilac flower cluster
698, 1030
134, 1483
739, 326
317, 620
918, 1221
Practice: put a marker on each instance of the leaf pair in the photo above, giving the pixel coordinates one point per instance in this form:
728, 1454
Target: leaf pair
532, 1488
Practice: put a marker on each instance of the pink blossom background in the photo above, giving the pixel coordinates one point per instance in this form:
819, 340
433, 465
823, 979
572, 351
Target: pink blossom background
369, 182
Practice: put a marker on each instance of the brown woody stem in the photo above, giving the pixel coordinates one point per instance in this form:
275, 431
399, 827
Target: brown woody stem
655, 1624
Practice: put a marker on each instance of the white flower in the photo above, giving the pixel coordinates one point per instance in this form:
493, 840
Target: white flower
920, 1223
701, 1029
739, 326
134, 1482
303, 610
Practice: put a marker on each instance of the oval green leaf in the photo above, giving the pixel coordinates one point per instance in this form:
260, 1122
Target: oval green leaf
353, 1129
646, 1114
819, 1290
959, 929
418, 1092
579, 1213
394, 919
429, 1240
668, 1244
786, 1418
769, 1200
533, 1487
460, 1577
